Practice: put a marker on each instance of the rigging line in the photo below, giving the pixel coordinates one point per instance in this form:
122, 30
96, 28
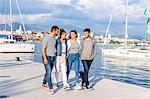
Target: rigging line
6, 14
20, 15
1, 12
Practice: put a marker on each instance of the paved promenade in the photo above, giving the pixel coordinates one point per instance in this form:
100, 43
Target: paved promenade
22, 80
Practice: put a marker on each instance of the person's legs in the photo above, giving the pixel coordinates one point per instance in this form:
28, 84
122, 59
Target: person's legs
89, 62
56, 69
44, 79
69, 65
85, 66
76, 67
63, 70
51, 61
48, 69
82, 75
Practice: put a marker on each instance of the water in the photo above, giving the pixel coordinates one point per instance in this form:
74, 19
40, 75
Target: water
127, 71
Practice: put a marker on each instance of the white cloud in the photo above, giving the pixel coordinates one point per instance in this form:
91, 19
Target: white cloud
36, 17
28, 18
64, 2
100, 9
145, 3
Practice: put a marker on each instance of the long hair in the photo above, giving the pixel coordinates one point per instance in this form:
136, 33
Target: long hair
62, 31
74, 32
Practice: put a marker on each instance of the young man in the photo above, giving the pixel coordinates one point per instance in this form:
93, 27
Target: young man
88, 52
48, 56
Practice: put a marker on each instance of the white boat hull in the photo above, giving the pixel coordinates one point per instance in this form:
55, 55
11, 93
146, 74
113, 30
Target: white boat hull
17, 48
126, 53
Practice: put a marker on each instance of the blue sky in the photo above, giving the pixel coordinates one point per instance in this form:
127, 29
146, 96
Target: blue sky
78, 14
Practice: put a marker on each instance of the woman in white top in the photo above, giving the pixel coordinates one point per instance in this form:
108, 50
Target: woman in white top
61, 54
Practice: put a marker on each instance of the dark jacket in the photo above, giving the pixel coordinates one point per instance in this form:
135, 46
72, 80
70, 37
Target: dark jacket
59, 47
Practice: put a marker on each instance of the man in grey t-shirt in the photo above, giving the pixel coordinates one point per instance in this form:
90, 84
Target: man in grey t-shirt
49, 41
48, 56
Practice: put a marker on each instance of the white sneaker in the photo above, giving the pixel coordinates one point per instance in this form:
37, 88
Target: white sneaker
67, 87
78, 87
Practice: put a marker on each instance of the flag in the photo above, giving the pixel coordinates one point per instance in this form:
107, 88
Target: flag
145, 12
148, 21
148, 28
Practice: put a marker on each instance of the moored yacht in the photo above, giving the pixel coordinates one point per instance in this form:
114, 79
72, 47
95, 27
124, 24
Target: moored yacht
7, 43
125, 51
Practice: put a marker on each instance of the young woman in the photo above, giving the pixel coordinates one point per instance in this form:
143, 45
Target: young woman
88, 52
61, 54
73, 56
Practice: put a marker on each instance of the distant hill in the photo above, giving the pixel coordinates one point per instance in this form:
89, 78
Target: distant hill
30, 27
46, 27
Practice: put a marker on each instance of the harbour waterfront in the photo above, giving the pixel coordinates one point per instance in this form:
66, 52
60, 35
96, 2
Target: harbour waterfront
22, 79
21, 74
135, 72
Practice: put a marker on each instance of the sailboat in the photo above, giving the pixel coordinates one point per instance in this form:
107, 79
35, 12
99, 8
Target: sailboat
125, 51
7, 43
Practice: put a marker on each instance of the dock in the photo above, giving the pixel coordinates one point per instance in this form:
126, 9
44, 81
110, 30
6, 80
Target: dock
23, 79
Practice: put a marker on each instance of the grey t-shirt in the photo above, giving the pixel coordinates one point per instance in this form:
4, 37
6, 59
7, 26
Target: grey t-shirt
75, 47
49, 41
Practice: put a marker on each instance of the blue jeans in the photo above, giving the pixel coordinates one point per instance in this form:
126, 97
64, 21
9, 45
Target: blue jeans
73, 58
86, 65
48, 70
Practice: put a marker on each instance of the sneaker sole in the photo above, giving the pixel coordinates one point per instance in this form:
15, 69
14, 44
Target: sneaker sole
51, 93
67, 89
46, 88
79, 88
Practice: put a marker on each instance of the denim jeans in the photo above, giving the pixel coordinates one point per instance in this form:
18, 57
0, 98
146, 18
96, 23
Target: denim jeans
73, 58
48, 70
86, 66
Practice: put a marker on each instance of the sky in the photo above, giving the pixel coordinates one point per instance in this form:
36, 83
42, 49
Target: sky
79, 14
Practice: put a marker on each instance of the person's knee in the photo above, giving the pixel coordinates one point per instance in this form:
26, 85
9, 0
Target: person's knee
85, 73
68, 71
77, 73
86, 70
49, 74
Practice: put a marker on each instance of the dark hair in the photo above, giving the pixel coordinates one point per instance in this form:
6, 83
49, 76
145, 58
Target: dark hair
54, 28
86, 30
62, 31
74, 32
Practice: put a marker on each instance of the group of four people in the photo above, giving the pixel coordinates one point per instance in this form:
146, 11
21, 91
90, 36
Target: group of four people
64, 53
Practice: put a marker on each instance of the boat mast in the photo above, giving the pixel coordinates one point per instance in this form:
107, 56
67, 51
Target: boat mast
126, 25
21, 16
11, 23
106, 34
